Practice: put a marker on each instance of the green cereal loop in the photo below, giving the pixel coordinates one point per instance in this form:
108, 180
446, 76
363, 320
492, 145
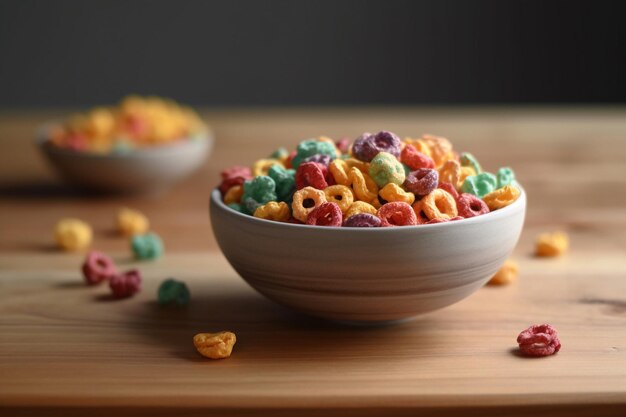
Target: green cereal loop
285, 181
385, 169
407, 169
173, 292
261, 188
250, 205
279, 153
480, 185
505, 176
147, 246
468, 160
312, 147
236, 207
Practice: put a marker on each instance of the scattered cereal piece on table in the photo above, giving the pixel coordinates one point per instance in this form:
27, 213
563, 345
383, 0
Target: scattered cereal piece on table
539, 340
125, 284
147, 246
552, 244
215, 345
73, 234
173, 292
505, 275
131, 222
98, 267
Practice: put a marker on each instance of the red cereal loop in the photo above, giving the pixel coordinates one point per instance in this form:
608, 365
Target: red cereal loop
236, 171
539, 340
326, 214
288, 161
125, 284
311, 174
397, 213
414, 159
98, 267
446, 186
343, 144
235, 175
468, 205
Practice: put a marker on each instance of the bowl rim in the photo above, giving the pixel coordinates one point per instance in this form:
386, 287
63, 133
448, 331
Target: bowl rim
180, 145
519, 204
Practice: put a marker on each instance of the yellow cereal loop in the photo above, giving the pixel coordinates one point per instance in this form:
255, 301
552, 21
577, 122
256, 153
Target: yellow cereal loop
355, 163
450, 172
305, 201
505, 275
131, 222
341, 195
501, 197
392, 193
464, 173
233, 195
552, 244
72, 234
215, 345
277, 211
364, 187
439, 204
339, 170
359, 207
262, 166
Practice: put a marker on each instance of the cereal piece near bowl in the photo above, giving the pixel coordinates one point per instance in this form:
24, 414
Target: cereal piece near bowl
131, 222
147, 246
125, 284
173, 292
551, 244
507, 274
215, 345
73, 234
98, 267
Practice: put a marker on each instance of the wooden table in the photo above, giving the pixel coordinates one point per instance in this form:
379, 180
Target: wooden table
66, 349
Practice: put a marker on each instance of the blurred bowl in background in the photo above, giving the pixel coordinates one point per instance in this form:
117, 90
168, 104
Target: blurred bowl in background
140, 171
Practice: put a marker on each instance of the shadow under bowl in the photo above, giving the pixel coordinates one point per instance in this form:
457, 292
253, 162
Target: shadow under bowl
143, 171
367, 275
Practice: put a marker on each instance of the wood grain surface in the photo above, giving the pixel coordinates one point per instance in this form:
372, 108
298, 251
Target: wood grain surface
66, 349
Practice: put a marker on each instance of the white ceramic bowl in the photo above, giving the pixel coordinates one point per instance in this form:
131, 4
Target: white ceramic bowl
367, 275
143, 171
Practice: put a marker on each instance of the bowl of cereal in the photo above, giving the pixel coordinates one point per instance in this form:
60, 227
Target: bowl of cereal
315, 235
142, 145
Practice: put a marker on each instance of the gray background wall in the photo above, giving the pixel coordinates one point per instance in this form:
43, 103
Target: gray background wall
312, 52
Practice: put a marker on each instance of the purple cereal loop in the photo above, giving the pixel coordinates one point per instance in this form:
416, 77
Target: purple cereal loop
362, 220
367, 146
320, 158
421, 182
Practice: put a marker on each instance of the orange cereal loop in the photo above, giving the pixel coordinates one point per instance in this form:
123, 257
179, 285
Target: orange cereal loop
341, 195
450, 172
502, 197
464, 173
505, 275
360, 207
262, 166
339, 170
277, 211
440, 148
439, 204
394, 193
233, 195
305, 201
418, 208
364, 187
552, 244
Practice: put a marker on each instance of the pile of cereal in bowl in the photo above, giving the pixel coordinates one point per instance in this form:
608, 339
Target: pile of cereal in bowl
135, 123
377, 181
